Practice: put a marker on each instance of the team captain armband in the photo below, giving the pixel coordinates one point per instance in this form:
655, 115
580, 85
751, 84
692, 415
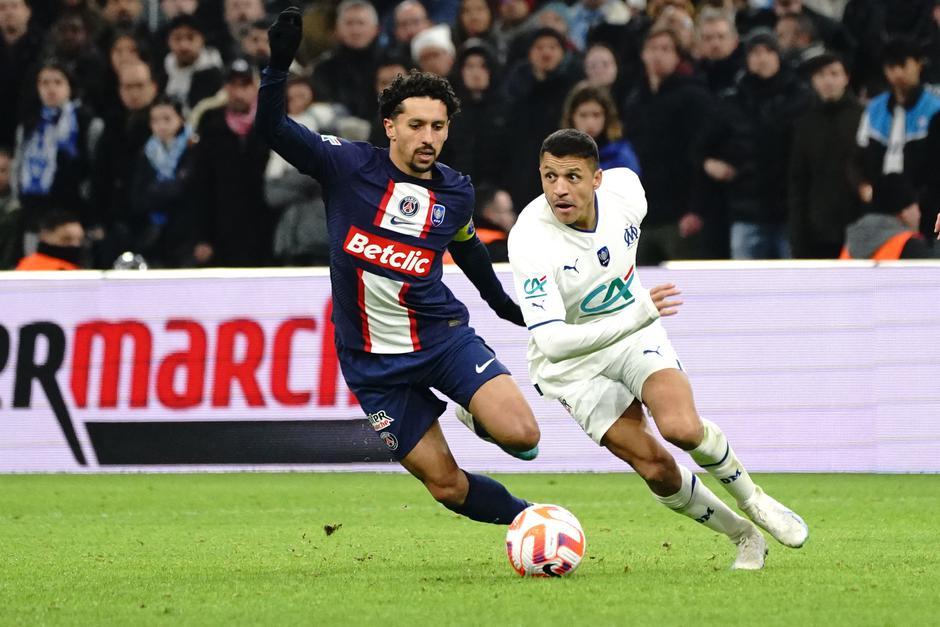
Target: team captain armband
466, 233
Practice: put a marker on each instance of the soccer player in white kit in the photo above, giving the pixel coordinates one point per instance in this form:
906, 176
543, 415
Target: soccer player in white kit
597, 344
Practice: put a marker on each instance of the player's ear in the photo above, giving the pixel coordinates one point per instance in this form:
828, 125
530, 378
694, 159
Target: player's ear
598, 175
389, 129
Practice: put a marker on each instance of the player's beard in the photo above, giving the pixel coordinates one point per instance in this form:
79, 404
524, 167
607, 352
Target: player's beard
418, 167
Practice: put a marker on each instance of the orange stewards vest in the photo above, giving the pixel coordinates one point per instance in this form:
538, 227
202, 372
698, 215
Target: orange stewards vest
889, 251
39, 261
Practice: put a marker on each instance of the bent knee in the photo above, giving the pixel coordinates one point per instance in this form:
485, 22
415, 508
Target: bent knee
686, 433
524, 435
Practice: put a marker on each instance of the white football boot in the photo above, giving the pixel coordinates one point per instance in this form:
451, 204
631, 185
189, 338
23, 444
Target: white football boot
778, 520
752, 548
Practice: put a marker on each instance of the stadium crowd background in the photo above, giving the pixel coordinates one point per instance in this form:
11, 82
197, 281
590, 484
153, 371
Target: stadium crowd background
127, 125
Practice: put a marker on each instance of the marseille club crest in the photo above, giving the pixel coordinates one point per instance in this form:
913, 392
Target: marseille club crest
408, 206
603, 255
437, 215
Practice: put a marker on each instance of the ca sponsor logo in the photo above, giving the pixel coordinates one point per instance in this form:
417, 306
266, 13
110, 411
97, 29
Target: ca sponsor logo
535, 287
609, 297
380, 420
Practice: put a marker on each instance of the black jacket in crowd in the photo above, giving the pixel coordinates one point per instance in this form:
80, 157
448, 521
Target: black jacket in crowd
347, 77
663, 126
753, 131
228, 192
17, 78
824, 177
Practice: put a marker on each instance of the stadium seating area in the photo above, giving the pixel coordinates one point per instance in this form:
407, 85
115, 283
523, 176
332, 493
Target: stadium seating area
759, 129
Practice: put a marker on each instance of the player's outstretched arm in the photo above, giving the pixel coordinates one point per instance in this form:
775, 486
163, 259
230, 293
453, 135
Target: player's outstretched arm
473, 259
558, 340
301, 147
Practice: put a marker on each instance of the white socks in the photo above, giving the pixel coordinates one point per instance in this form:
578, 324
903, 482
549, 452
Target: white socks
696, 501
716, 456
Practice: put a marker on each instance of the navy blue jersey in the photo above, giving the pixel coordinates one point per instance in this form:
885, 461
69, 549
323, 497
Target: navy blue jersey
388, 233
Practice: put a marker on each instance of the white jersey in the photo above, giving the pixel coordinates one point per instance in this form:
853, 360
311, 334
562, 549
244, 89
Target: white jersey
565, 274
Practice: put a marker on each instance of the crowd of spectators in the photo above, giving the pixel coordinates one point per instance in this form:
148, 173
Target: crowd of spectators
760, 129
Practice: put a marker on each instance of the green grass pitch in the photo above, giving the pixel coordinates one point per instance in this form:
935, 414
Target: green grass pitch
251, 549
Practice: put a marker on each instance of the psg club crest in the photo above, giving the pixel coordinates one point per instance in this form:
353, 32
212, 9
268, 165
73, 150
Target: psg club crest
437, 215
409, 206
603, 255
390, 440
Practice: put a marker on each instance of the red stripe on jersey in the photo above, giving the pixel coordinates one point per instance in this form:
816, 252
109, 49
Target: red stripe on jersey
412, 319
380, 214
427, 219
366, 338
626, 277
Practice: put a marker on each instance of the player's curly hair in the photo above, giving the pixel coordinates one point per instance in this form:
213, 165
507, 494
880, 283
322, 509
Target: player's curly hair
417, 84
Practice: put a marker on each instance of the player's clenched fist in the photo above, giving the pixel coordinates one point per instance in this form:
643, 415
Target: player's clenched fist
284, 38
661, 295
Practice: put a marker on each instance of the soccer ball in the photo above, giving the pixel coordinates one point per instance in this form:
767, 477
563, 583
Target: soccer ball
545, 541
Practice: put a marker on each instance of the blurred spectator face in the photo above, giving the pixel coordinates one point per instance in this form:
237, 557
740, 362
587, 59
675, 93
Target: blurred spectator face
830, 82
789, 35
660, 57
4, 172
255, 44
546, 54
239, 14
70, 234
475, 16
513, 12
782, 7
124, 12
185, 44
136, 86
717, 40
124, 50
172, 8
242, 94
475, 74
385, 74
436, 60
600, 66
589, 118
910, 216
70, 34
14, 16
679, 22
356, 28
554, 20
410, 19
53, 86
299, 97
165, 123
904, 77
499, 211
763, 62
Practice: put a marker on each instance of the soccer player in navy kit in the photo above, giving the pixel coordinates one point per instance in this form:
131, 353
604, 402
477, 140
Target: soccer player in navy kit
391, 214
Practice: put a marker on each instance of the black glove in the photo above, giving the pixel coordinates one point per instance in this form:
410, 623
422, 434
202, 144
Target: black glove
284, 38
509, 311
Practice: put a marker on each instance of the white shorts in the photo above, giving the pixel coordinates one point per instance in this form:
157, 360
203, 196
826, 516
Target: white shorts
598, 402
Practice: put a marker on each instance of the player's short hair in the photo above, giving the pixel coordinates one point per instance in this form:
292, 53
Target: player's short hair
570, 142
417, 84
51, 220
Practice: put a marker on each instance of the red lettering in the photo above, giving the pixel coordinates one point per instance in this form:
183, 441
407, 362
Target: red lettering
192, 361
112, 334
329, 363
281, 359
227, 369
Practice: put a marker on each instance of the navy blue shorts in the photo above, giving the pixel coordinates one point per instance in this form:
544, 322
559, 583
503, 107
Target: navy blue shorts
394, 390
